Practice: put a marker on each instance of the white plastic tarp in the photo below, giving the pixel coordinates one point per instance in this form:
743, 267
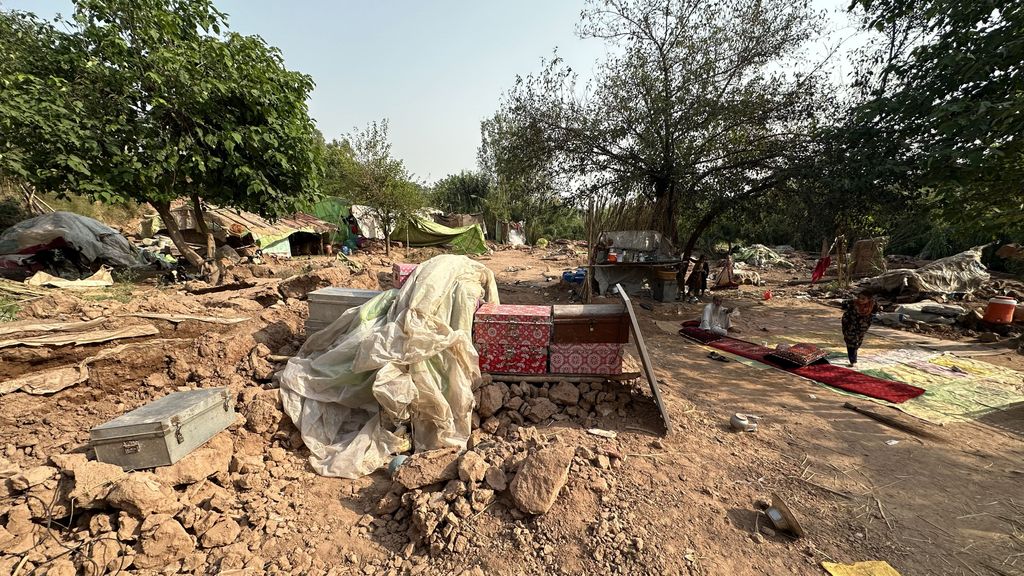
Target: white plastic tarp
403, 358
961, 273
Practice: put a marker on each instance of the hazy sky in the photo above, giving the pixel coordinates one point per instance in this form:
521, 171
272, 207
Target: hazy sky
435, 68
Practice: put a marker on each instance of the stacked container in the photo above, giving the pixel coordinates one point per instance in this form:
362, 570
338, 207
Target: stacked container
327, 304
512, 339
589, 339
400, 273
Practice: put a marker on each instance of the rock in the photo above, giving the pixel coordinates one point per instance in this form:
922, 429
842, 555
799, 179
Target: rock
599, 485
491, 425
472, 467
564, 393
261, 409
541, 409
68, 462
8, 469
93, 482
246, 464
61, 567
602, 462
535, 487
163, 541
32, 477
128, 527
426, 468
100, 523
142, 494
514, 403
490, 400
389, 503
988, 337
462, 508
203, 462
224, 532
495, 478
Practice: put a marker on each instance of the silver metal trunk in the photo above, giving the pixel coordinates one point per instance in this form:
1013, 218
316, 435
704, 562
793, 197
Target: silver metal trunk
165, 430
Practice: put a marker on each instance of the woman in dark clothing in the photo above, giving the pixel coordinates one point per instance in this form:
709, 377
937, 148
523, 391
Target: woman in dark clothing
857, 317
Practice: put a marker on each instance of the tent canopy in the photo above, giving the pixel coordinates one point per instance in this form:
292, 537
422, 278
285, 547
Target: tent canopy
425, 232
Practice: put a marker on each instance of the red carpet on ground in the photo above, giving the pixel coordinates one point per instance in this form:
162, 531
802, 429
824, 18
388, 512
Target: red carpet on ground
837, 376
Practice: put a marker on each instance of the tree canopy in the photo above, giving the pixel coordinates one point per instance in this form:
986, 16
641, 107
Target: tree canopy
698, 106
378, 179
156, 100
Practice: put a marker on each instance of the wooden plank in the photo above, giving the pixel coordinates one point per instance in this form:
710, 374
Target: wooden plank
893, 422
645, 359
574, 378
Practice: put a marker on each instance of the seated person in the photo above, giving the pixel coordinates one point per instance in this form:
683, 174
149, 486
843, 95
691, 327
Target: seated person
717, 319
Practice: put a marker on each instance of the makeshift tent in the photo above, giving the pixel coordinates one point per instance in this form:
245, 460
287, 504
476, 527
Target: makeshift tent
240, 228
960, 274
461, 220
89, 243
404, 361
425, 232
333, 211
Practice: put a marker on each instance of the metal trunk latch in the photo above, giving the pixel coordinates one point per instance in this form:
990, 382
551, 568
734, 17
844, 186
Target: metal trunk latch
227, 403
130, 446
176, 422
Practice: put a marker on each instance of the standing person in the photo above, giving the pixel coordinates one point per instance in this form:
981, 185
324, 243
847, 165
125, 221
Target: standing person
697, 282
857, 316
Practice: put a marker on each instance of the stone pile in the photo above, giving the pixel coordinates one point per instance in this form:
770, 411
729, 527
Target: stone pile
440, 492
203, 513
501, 408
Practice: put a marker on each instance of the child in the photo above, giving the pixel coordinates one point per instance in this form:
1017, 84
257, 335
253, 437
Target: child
856, 320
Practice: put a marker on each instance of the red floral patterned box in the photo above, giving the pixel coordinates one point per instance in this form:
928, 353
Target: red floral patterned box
400, 273
586, 358
503, 359
510, 325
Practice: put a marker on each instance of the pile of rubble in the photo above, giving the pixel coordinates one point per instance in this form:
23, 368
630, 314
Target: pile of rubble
502, 407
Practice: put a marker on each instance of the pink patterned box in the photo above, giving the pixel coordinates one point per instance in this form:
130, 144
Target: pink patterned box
512, 326
500, 359
586, 358
400, 273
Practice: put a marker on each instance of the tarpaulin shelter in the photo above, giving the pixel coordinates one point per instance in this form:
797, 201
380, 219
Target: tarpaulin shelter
400, 367
962, 273
83, 242
421, 231
240, 228
461, 220
333, 211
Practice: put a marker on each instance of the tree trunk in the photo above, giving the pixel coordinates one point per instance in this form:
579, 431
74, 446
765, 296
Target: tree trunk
695, 235
197, 209
202, 226
387, 241
164, 210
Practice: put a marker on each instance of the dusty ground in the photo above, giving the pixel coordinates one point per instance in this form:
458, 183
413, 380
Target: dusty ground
685, 503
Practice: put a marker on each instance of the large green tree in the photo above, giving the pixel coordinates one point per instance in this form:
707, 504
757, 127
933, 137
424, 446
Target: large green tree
700, 105
945, 82
161, 102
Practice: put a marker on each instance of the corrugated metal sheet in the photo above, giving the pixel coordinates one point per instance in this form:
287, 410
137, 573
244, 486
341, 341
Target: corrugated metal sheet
239, 223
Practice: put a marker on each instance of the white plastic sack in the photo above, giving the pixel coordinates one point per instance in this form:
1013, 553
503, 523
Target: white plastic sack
403, 358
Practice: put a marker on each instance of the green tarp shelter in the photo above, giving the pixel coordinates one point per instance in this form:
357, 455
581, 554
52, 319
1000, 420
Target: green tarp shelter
424, 232
333, 210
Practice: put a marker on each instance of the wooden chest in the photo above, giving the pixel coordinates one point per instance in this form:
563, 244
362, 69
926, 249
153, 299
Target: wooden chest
165, 430
591, 324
